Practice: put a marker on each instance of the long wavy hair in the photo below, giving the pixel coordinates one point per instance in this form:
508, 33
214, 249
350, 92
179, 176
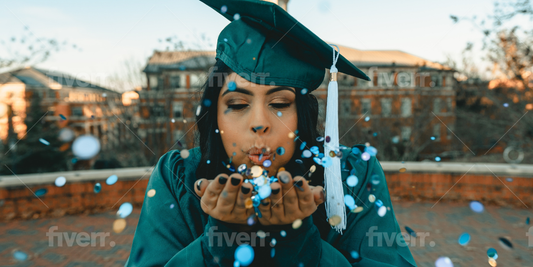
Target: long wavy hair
213, 153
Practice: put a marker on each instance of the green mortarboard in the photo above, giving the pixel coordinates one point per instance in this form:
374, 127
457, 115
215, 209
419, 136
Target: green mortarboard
266, 45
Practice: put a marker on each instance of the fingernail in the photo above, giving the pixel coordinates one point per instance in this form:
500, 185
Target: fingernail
299, 185
284, 178
245, 190
275, 191
235, 181
265, 203
222, 179
198, 185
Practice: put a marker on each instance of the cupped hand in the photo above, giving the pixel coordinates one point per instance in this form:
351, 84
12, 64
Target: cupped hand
224, 197
291, 199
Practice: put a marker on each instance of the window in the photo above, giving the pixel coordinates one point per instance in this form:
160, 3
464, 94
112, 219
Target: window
366, 104
449, 104
436, 132
437, 107
406, 107
174, 82
76, 111
177, 110
346, 107
436, 80
406, 133
178, 136
386, 108
386, 79
157, 111
160, 83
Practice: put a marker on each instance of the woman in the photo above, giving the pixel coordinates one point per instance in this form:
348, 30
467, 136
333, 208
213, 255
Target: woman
257, 111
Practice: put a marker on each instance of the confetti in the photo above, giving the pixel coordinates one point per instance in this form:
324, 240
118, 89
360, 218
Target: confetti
372, 151
119, 225
62, 117
207, 102
410, 231
307, 154
358, 209
272, 252
328, 139
320, 139
476, 206
86, 147
371, 198
267, 163
304, 91
244, 255
349, 201
66, 135
20, 256
264, 191
256, 171
433, 138
279, 114
111, 180
312, 169
151, 193
41, 192
375, 179
365, 156
354, 255
291, 135
248, 203
173, 120
184, 153
367, 118
44, 141
250, 220
171, 206
232, 86
334, 220
237, 16
506, 104
437, 159
283, 233
505, 243
464, 238
352, 180
224, 9
492, 262
402, 169
491, 252
97, 188
296, 224
443, 262
60, 181
382, 211
125, 210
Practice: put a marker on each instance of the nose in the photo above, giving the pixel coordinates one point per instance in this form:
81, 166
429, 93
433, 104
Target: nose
259, 121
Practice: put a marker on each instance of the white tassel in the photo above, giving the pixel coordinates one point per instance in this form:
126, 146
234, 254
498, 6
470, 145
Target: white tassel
332, 174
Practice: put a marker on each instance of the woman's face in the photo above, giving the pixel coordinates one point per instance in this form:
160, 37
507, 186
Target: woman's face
257, 119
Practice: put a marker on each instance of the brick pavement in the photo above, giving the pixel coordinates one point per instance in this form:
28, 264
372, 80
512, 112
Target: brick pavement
444, 223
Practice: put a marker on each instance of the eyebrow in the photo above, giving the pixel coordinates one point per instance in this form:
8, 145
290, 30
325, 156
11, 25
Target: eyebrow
269, 92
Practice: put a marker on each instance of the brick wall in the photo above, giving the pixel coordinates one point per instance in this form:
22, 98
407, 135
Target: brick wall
78, 196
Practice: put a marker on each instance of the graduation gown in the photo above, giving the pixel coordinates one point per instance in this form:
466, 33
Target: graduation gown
174, 231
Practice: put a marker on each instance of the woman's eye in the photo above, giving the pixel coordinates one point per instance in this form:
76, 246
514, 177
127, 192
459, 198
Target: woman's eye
237, 107
281, 105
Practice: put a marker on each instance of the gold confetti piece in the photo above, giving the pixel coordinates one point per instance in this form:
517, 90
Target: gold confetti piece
371, 198
119, 225
281, 169
334, 220
151, 193
256, 171
248, 203
221, 131
261, 234
403, 169
291, 135
184, 153
312, 169
357, 210
296, 224
492, 262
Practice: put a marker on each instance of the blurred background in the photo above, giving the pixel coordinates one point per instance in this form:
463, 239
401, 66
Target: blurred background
92, 94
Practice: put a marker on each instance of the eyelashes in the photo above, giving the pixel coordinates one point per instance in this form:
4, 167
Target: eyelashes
243, 106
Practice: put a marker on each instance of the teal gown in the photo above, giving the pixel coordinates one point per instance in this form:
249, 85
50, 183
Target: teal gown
174, 231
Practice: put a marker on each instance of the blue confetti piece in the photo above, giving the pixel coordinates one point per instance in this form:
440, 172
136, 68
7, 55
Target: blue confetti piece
111, 180
125, 210
280, 150
302, 146
62, 117
97, 188
464, 239
244, 254
41, 192
314, 150
410, 231
232, 86
437, 159
44, 141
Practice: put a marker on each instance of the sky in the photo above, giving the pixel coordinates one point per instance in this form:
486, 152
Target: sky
110, 32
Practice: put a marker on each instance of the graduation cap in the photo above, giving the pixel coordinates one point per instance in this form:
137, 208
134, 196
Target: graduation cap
265, 45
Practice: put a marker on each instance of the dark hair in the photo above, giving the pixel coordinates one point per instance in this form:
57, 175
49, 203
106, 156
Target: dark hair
211, 146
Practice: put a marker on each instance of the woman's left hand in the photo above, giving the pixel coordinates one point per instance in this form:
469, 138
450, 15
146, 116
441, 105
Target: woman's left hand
291, 199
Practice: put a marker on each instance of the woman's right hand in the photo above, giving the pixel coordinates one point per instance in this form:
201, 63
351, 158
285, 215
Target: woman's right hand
224, 197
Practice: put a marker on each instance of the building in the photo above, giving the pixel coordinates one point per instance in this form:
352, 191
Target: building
70, 102
410, 100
